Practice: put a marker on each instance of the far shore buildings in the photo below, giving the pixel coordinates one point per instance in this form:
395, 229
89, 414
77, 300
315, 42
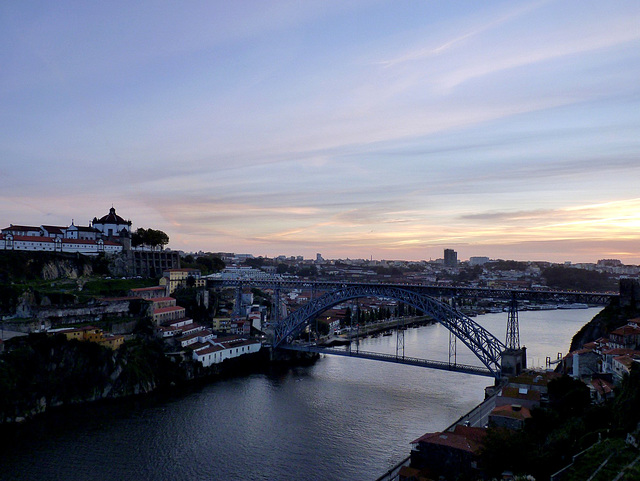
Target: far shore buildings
107, 235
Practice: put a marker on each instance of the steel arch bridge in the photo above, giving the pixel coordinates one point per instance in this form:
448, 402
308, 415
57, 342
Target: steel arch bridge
482, 343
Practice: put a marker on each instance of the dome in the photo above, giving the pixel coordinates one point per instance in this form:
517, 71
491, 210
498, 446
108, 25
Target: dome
112, 218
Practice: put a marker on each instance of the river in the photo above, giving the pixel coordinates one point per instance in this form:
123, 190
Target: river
338, 419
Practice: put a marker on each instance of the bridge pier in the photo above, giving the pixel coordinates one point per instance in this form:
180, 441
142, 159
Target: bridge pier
513, 362
282, 356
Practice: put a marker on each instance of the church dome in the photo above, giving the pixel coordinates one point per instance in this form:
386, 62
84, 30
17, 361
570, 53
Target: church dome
112, 218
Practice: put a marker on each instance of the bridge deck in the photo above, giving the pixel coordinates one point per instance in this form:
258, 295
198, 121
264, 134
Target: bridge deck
412, 361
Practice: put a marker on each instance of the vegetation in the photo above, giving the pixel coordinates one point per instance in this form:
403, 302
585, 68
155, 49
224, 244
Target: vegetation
567, 426
149, 237
502, 265
559, 277
191, 299
608, 458
208, 264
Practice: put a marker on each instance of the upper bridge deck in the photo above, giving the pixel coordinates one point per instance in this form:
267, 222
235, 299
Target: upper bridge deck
434, 290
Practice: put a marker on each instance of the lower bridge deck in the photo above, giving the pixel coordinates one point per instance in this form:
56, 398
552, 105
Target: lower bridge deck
412, 361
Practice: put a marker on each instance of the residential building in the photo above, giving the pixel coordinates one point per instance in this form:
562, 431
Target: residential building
91, 334
153, 292
174, 278
450, 258
219, 350
449, 453
163, 315
509, 416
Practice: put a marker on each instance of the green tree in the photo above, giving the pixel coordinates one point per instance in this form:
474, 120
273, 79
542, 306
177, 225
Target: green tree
149, 237
627, 414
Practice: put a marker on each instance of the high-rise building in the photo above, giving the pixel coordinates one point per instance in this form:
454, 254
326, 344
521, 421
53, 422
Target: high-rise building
450, 258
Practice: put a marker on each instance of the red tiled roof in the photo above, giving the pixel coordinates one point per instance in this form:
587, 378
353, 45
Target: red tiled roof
49, 240
463, 440
116, 299
26, 228
602, 386
208, 350
188, 327
626, 360
146, 289
176, 321
509, 412
162, 299
54, 229
111, 218
193, 335
626, 331
619, 351
162, 310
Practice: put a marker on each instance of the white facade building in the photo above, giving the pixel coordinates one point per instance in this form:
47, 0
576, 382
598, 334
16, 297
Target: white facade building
57, 244
220, 350
112, 225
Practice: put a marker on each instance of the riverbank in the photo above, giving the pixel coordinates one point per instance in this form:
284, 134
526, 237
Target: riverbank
41, 372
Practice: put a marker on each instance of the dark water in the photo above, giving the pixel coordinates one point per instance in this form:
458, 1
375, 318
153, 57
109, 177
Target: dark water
338, 419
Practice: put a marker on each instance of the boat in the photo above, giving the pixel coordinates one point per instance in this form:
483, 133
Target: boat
573, 305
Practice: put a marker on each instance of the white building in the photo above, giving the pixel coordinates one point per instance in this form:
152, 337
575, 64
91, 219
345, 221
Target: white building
112, 225
220, 350
57, 244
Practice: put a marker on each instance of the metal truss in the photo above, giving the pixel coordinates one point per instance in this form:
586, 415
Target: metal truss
482, 343
540, 295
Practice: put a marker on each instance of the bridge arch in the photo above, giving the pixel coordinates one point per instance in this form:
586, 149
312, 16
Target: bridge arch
481, 342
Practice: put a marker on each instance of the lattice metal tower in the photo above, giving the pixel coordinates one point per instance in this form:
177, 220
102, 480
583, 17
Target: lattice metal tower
400, 338
513, 331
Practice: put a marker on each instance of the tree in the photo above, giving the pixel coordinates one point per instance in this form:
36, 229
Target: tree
149, 237
568, 396
627, 400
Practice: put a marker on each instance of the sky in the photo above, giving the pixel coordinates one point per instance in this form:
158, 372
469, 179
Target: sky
350, 128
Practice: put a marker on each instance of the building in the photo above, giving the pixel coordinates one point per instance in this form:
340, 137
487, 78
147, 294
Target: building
218, 350
448, 453
112, 225
478, 261
149, 292
174, 278
510, 416
450, 258
20, 243
110, 234
91, 334
625, 337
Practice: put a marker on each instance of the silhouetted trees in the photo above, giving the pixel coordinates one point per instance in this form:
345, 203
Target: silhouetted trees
149, 237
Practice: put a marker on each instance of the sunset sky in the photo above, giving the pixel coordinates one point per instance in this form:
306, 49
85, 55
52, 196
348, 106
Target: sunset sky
384, 129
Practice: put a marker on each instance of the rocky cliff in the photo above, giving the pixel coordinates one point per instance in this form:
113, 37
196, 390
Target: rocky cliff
616, 314
39, 371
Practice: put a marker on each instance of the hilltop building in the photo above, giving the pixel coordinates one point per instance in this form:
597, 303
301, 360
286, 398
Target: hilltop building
110, 234
112, 225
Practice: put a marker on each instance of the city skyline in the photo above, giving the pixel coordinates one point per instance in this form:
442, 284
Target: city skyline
355, 129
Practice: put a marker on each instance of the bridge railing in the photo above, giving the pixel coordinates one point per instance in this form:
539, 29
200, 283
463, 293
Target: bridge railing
413, 361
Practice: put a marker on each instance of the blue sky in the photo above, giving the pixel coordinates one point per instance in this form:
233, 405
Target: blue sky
350, 128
